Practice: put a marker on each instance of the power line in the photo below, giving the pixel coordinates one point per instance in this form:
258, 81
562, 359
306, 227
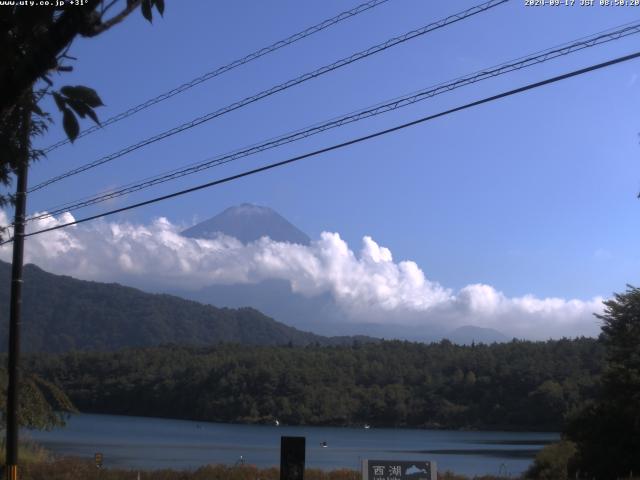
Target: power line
270, 166
224, 69
278, 88
506, 67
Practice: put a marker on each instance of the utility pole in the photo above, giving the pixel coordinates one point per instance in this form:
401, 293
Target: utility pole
11, 472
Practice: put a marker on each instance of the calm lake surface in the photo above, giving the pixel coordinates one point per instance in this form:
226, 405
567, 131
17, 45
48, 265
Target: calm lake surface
152, 443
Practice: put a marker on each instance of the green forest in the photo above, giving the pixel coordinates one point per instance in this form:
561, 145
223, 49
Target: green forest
516, 385
62, 313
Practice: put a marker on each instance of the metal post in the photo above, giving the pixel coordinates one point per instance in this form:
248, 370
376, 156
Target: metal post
11, 472
292, 457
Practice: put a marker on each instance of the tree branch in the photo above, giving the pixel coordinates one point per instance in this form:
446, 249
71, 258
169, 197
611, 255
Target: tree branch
106, 8
104, 26
45, 49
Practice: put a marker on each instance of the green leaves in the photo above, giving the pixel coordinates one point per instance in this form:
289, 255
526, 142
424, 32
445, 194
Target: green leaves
83, 94
70, 124
43, 404
160, 6
37, 110
59, 101
146, 10
147, 6
76, 100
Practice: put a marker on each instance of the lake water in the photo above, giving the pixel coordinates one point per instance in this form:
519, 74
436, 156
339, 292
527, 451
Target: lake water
152, 443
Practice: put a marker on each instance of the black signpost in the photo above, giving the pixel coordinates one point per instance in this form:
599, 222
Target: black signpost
292, 457
398, 470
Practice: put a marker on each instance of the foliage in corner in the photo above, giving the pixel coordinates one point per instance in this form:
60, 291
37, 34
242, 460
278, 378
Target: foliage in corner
42, 404
35, 41
552, 462
607, 431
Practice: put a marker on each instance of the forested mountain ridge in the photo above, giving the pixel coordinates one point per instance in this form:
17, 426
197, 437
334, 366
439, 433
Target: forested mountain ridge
61, 313
515, 385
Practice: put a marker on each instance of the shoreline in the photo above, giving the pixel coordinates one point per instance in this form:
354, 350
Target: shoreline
432, 427
152, 443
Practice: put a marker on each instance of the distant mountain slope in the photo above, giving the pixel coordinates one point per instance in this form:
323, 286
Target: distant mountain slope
61, 313
248, 223
319, 314
468, 334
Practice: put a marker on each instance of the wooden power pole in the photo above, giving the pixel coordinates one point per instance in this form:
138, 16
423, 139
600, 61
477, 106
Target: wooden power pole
11, 472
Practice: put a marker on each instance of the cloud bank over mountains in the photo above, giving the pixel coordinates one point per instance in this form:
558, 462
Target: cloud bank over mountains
369, 286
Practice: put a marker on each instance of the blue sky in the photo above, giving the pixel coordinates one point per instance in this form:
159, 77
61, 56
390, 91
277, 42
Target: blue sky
534, 194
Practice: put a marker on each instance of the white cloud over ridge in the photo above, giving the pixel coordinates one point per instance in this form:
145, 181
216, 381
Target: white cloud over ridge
368, 287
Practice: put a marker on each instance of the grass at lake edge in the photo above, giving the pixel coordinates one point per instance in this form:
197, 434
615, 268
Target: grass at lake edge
70, 468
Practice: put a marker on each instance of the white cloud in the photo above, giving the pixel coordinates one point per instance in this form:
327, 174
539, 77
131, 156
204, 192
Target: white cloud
369, 286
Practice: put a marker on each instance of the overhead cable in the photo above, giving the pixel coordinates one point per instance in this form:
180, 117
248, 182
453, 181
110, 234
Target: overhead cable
501, 69
224, 69
354, 141
278, 88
